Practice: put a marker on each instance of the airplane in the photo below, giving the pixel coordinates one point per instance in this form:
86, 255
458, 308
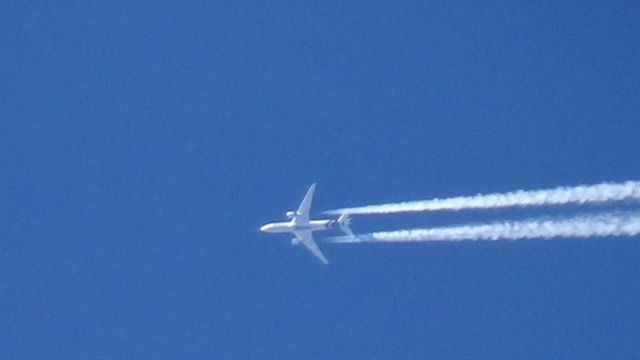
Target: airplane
302, 227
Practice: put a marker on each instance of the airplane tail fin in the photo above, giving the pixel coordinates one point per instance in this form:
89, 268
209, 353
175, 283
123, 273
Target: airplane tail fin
344, 221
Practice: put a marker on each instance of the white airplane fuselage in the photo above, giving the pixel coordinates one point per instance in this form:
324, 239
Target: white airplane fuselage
290, 226
302, 227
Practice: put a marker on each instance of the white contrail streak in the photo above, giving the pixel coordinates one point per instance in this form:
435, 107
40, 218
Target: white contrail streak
608, 224
601, 193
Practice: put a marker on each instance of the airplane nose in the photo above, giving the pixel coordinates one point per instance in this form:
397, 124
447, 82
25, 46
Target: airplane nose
264, 228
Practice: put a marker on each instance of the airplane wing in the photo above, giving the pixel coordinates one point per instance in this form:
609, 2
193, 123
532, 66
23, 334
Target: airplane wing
306, 238
302, 215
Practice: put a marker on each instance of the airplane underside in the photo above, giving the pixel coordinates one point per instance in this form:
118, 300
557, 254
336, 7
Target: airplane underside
302, 227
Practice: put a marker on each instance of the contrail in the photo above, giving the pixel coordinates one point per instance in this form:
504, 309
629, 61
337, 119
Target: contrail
607, 224
600, 193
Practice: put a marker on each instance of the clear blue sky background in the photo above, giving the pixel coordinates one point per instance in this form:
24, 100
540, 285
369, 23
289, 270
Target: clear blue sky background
144, 143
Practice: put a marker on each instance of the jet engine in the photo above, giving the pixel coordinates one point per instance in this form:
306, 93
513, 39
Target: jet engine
291, 214
295, 241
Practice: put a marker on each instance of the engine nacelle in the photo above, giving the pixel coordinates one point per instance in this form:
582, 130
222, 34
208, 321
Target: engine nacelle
295, 241
291, 214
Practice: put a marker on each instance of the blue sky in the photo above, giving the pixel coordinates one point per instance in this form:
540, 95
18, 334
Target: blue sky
144, 143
